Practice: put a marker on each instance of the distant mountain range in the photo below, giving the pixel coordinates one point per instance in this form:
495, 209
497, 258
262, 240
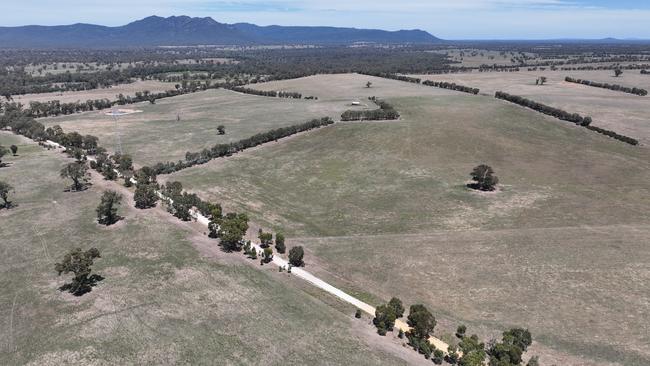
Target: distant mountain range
187, 31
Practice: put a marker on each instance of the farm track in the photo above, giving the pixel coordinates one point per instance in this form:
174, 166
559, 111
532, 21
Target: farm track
283, 263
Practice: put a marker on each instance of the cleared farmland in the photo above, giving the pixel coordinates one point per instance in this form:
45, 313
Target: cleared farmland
382, 209
623, 113
161, 302
155, 134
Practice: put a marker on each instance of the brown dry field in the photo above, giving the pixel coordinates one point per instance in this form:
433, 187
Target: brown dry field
111, 93
154, 135
623, 113
169, 296
382, 211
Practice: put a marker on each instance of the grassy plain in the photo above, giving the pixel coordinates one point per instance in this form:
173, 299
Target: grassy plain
161, 302
382, 209
154, 135
621, 112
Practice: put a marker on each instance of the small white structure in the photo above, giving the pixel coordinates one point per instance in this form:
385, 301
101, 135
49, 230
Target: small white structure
356, 103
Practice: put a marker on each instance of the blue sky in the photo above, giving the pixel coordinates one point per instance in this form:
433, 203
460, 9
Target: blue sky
457, 19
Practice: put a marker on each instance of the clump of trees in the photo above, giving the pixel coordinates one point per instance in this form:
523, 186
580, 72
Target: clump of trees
615, 87
483, 178
422, 324
231, 230
221, 150
563, 115
384, 113
79, 263
451, 86
645, 72
296, 255
107, 209
78, 173
386, 314
509, 351
5, 189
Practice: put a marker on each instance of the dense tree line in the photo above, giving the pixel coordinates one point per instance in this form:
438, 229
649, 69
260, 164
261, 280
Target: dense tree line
265, 93
614, 135
615, 87
451, 86
563, 115
385, 75
543, 108
221, 150
384, 113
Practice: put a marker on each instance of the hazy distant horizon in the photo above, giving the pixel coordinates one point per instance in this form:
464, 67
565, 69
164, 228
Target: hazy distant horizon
452, 20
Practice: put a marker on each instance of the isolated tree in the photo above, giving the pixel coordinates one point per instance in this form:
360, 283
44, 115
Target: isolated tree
483, 178
296, 255
397, 306
460, 331
279, 243
107, 209
78, 172
14, 149
3, 152
541, 80
438, 356
266, 239
357, 314
618, 72
221, 130
5, 188
79, 263
145, 196
384, 319
267, 255
215, 221
368, 84
421, 321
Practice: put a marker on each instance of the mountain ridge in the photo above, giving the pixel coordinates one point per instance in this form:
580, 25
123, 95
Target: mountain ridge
188, 31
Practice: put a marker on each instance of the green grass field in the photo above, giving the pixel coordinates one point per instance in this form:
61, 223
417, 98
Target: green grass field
155, 135
382, 209
161, 302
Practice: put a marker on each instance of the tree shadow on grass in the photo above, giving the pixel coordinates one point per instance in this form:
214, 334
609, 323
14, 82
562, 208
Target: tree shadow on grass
84, 187
83, 286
